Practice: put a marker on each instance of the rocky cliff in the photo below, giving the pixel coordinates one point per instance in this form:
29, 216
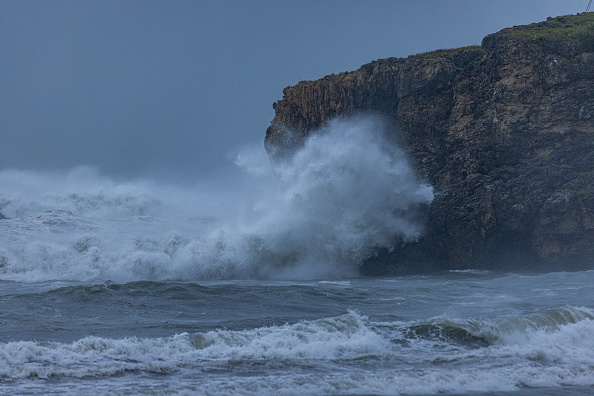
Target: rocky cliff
504, 133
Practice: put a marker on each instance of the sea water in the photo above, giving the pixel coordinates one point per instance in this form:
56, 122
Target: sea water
250, 286
447, 333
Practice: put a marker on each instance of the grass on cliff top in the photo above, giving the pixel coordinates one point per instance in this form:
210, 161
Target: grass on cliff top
446, 53
578, 28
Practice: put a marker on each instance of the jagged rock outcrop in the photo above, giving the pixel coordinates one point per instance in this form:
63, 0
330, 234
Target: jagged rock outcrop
504, 132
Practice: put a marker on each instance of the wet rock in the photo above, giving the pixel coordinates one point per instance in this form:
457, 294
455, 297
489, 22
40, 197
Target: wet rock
504, 132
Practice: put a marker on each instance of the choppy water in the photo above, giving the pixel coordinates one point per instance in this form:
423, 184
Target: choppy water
250, 286
452, 333
319, 215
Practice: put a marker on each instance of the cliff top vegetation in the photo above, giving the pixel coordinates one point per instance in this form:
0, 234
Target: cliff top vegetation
570, 30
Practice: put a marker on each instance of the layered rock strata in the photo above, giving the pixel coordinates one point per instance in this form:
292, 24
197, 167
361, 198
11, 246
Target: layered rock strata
504, 133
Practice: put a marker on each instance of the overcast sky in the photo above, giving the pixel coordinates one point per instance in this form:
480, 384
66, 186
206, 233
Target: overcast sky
135, 87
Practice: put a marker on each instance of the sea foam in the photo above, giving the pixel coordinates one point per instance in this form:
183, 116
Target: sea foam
390, 361
343, 195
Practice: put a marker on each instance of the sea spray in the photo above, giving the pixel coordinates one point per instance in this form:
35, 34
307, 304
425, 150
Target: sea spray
342, 196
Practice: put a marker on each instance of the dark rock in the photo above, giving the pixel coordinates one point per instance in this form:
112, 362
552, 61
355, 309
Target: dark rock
504, 132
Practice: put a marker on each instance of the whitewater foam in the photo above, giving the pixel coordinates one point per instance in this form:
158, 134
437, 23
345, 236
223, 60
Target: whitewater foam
545, 358
344, 195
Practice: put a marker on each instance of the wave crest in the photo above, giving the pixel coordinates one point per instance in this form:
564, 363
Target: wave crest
342, 196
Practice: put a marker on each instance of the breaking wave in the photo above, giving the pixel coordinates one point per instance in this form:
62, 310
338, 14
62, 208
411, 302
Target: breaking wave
345, 194
546, 349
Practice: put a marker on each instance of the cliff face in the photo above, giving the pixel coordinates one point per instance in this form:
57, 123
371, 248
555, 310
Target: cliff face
504, 132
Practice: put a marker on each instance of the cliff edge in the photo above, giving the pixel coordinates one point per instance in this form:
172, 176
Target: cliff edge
504, 132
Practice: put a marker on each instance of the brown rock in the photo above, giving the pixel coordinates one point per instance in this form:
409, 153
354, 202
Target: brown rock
504, 132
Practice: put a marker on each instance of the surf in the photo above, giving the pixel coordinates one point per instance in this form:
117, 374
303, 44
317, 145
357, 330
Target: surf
554, 350
345, 194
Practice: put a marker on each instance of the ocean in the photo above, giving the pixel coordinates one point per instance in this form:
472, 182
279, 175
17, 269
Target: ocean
248, 285
459, 333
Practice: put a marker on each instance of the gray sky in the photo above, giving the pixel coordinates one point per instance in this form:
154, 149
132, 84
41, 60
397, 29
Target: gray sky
176, 87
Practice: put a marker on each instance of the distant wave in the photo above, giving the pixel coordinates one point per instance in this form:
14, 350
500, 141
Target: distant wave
345, 194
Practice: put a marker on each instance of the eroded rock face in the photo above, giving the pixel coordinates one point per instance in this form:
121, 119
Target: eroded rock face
504, 132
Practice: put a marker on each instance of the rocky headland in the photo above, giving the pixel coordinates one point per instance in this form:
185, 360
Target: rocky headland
504, 132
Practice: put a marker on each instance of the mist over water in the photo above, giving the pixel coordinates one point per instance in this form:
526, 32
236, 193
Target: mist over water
151, 286
345, 194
